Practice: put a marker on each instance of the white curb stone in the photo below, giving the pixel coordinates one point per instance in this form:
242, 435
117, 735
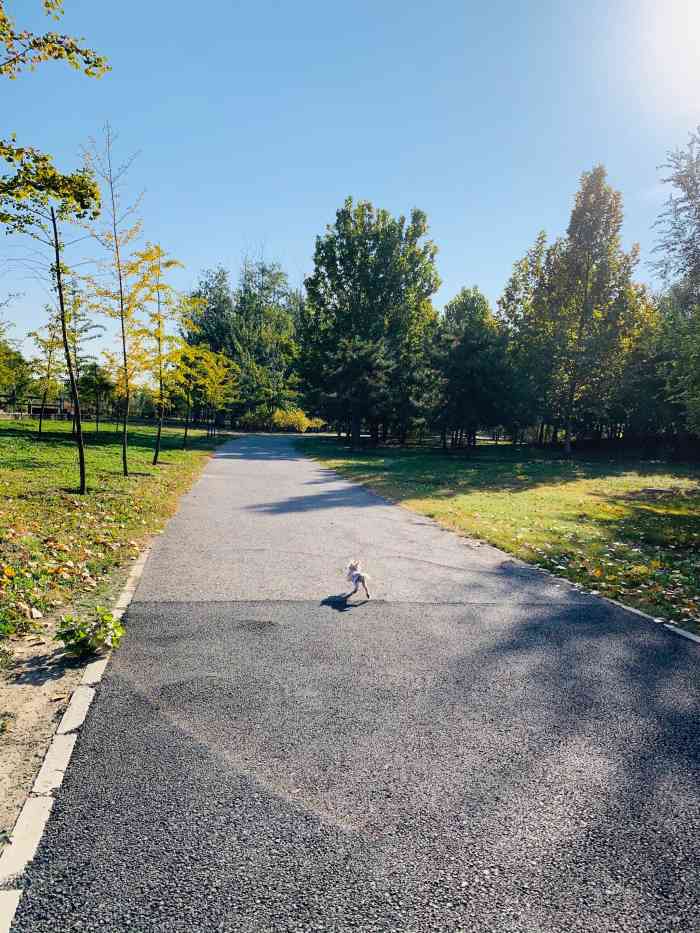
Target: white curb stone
54, 767
8, 905
94, 672
74, 716
25, 837
35, 813
680, 631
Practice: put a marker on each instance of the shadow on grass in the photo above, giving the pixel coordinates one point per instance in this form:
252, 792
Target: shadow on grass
138, 438
489, 467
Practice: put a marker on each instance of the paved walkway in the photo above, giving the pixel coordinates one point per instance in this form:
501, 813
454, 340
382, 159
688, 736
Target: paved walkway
476, 749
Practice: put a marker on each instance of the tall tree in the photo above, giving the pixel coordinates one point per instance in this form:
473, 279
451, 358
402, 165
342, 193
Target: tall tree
254, 325
165, 311
116, 235
591, 287
678, 248
369, 293
41, 213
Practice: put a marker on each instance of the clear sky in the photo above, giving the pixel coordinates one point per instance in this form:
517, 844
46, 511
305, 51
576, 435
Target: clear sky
254, 120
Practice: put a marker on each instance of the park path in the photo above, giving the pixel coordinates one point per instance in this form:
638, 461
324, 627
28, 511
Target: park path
479, 748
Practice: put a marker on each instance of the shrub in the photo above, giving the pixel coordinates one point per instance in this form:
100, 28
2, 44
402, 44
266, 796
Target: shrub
294, 419
88, 636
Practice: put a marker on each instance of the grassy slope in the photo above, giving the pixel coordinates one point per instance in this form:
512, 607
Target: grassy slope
628, 529
59, 549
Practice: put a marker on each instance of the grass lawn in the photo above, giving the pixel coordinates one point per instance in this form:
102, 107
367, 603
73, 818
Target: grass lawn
627, 529
59, 551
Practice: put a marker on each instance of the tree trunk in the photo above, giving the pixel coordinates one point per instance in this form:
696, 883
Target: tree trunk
444, 439
97, 412
69, 362
41, 410
540, 438
156, 453
356, 431
187, 422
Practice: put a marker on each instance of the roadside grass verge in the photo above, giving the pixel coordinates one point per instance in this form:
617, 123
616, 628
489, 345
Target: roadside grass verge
60, 550
627, 529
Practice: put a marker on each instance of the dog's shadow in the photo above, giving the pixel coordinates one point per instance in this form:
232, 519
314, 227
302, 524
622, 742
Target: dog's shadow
340, 603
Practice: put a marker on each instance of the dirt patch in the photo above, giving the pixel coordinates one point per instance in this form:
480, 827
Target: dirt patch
35, 688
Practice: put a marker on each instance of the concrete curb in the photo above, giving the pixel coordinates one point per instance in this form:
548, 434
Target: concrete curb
35, 813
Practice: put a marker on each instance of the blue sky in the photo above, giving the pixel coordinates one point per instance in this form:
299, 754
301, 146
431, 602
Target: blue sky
255, 120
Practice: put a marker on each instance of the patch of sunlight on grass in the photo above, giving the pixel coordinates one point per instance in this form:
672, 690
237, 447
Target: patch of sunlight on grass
59, 549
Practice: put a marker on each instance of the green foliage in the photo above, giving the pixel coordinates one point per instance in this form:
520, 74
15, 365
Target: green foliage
83, 637
24, 50
253, 325
33, 179
470, 359
366, 317
16, 373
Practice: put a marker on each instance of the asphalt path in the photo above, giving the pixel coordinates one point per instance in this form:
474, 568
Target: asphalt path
478, 748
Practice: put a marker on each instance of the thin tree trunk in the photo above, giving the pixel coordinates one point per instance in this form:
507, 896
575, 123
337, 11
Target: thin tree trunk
97, 412
69, 362
161, 400
187, 421
156, 453
41, 410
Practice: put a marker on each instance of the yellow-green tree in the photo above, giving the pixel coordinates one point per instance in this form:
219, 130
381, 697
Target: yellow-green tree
218, 381
31, 173
47, 341
164, 311
188, 379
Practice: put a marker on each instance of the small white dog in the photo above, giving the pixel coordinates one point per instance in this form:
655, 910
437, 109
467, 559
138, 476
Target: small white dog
357, 576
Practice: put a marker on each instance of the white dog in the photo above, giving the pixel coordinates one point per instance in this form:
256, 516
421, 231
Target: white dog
357, 576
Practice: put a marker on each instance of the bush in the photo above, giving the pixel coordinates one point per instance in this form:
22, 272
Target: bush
83, 636
294, 419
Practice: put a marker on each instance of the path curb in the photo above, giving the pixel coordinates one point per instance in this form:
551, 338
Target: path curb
35, 813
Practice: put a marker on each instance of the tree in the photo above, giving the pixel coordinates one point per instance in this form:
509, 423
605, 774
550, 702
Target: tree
40, 214
594, 287
32, 173
47, 341
82, 329
679, 250
187, 379
471, 360
121, 300
678, 245
97, 386
163, 307
217, 380
254, 325
369, 294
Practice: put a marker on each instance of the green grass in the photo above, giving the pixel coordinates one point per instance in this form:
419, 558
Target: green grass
60, 551
627, 529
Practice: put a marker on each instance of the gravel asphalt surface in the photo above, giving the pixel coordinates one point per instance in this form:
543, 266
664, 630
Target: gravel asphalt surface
479, 748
